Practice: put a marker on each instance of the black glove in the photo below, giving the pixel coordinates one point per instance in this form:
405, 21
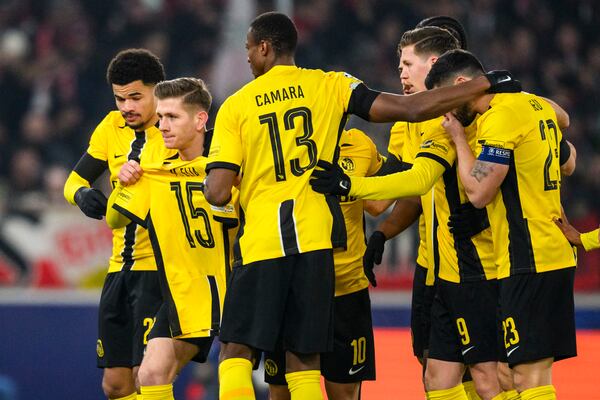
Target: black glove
92, 202
502, 81
373, 255
330, 179
467, 221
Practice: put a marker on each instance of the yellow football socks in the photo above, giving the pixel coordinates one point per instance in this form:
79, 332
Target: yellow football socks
456, 393
500, 396
470, 390
157, 392
305, 385
539, 393
132, 396
235, 379
512, 395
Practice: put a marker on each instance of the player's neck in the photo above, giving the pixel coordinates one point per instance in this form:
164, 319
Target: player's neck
482, 103
194, 149
150, 123
282, 60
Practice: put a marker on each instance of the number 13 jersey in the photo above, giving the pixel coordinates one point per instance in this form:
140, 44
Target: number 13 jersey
274, 130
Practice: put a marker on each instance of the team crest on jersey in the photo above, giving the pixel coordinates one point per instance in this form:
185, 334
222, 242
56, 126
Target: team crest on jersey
271, 367
347, 164
99, 348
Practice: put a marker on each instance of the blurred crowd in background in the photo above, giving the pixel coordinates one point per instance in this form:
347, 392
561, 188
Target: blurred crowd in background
54, 54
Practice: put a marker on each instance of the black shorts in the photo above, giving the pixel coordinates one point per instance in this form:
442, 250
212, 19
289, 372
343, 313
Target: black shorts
288, 298
464, 322
420, 311
538, 316
128, 304
161, 329
353, 356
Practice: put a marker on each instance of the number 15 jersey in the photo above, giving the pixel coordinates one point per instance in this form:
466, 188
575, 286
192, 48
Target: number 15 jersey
274, 130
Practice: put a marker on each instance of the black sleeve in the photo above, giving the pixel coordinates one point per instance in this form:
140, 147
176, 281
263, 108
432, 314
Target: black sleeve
392, 165
361, 100
90, 168
564, 151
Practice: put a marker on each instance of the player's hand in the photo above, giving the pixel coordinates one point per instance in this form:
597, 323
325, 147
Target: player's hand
467, 221
130, 173
330, 179
453, 127
373, 255
91, 201
572, 234
502, 81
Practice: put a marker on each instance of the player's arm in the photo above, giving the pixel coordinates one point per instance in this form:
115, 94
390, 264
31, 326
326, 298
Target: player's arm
481, 178
562, 116
78, 190
568, 157
388, 107
218, 185
114, 218
391, 164
587, 240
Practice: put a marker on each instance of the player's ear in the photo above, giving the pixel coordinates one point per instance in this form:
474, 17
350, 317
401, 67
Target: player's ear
433, 59
460, 79
264, 47
201, 120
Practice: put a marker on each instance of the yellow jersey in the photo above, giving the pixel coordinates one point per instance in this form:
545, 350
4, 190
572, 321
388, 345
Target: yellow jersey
464, 260
190, 239
358, 157
113, 143
520, 130
275, 129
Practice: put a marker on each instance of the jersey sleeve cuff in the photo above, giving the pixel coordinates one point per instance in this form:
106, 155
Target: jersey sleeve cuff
435, 157
224, 165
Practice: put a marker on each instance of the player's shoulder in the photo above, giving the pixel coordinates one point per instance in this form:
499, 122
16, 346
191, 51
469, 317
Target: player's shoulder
356, 143
114, 119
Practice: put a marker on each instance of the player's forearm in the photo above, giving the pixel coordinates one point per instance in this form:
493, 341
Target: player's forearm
404, 214
414, 182
425, 105
72, 185
465, 163
114, 218
591, 240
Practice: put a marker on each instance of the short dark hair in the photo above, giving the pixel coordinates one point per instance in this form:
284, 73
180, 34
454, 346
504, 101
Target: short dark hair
192, 91
450, 65
450, 24
135, 64
429, 40
278, 29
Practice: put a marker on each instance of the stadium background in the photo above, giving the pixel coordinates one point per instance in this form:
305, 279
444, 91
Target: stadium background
53, 57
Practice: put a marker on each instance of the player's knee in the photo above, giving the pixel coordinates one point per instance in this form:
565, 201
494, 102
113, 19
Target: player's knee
235, 350
151, 375
115, 386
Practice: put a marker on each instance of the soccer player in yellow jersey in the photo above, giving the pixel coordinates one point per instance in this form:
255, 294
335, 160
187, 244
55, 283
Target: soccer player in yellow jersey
276, 129
353, 357
190, 238
517, 175
131, 294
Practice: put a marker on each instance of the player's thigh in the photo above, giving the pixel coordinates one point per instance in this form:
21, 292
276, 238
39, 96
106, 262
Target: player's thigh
353, 357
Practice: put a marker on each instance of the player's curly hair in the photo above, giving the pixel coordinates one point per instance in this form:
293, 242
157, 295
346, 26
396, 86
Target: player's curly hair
135, 64
450, 65
428, 40
192, 91
450, 24
277, 29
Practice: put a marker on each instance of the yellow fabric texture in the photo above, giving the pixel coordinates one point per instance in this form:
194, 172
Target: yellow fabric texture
235, 379
157, 392
590, 240
305, 385
456, 393
539, 393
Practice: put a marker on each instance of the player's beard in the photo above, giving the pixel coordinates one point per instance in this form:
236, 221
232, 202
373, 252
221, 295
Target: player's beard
465, 115
134, 126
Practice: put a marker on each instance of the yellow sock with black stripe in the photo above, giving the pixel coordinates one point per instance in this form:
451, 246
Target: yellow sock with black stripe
456, 393
305, 385
512, 395
470, 390
132, 396
235, 379
157, 392
539, 393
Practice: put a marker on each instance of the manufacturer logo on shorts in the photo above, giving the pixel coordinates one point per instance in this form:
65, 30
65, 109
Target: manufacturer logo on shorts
353, 371
99, 348
508, 353
465, 351
270, 367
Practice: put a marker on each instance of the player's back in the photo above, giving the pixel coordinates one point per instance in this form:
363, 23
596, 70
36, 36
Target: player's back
521, 128
286, 121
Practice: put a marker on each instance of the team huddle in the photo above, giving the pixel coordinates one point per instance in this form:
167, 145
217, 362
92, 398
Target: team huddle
253, 232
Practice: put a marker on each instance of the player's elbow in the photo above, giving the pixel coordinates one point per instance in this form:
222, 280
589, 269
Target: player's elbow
479, 199
376, 207
215, 195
